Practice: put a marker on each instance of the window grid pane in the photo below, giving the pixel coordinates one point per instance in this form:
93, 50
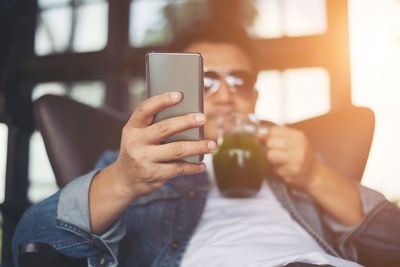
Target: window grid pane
48, 4
42, 182
91, 28
156, 22
3, 159
52, 3
268, 23
279, 18
268, 106
137, 92
54, 28
306, 93
148, 25
305, 17
91, 93
292, 95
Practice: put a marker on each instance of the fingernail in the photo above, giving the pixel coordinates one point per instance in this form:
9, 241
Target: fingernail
175, 96
200, 118
211, 145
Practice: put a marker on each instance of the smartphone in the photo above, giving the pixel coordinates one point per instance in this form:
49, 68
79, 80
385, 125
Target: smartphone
183, 72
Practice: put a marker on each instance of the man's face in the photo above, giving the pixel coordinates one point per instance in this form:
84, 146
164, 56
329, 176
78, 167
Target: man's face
221, 60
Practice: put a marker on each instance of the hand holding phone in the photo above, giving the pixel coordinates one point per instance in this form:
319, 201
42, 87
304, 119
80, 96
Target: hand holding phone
144, 163
183, 72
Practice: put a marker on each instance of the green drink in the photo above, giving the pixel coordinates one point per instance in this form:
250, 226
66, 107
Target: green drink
239, 165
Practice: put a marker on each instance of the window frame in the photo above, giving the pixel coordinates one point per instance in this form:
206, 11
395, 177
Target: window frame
119, 59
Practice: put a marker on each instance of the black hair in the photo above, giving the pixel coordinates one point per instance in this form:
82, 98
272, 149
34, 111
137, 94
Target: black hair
218, 31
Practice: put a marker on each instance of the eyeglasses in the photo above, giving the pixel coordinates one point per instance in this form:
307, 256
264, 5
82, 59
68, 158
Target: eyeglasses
239, 82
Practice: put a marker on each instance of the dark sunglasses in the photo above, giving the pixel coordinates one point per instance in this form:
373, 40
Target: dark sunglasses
238, 81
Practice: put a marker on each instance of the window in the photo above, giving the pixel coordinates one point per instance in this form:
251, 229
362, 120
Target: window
91, 93
155, 22
375, 57
42, 182
278, 18
3, 159
306, 92
53, 88
375, 68
268, 22
148, 24
71, 26
268, 105
292, 95
137, 91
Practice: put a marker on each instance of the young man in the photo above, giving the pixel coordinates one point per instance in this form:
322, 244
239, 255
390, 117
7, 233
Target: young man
141, 207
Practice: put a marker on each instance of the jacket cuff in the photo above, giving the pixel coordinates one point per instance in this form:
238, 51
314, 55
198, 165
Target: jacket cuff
73, 209
73, 204
370, 199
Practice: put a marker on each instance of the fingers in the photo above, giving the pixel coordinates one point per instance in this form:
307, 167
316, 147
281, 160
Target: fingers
178, 168
277, 143
277, 157
281, 131
284, 138
144, 114
179, 150
165, 128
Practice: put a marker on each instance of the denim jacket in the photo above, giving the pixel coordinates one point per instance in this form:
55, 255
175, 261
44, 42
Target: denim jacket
155, 229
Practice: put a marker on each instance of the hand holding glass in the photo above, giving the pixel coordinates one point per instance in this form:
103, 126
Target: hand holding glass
239, 161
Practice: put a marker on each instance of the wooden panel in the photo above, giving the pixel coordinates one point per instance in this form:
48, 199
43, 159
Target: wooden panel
295, 52
339, 53
66, 67
117, 76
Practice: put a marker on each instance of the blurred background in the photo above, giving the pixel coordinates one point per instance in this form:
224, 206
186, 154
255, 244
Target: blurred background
318, 56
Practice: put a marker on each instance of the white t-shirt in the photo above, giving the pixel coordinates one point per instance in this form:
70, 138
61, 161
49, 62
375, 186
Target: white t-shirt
251, 232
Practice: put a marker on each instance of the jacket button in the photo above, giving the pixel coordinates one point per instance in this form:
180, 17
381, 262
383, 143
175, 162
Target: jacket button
175, 245
191, 194
102, 262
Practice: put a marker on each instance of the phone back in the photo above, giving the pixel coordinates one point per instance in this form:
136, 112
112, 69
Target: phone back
183, 72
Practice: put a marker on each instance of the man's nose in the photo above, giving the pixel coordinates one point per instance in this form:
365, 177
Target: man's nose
224, 93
